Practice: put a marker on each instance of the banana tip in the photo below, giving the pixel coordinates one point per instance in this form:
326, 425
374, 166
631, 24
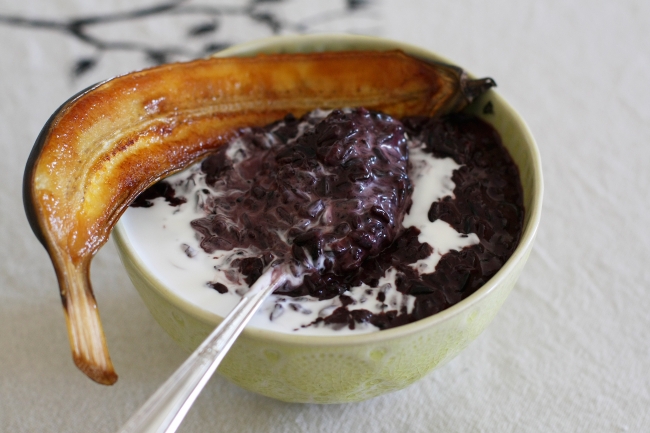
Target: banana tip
101, 375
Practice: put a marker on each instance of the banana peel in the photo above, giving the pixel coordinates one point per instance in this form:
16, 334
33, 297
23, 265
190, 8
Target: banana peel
110, 142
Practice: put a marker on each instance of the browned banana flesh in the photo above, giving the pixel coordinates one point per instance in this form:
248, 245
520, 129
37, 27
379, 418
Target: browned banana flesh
107, 144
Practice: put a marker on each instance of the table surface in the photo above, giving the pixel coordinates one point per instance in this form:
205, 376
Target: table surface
569, 351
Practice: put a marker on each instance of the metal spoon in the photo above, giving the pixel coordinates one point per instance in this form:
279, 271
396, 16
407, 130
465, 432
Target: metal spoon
167, 407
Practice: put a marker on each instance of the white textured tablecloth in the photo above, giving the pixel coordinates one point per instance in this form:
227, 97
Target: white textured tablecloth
569, 351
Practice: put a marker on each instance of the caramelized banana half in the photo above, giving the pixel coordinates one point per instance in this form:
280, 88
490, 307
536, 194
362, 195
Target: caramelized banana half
107, 144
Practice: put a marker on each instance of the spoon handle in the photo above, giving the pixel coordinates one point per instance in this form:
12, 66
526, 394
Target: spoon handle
167, 407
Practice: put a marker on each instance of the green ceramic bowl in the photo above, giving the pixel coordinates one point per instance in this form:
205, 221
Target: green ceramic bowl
338, 369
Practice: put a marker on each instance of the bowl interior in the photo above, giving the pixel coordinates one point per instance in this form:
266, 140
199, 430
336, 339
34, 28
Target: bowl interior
515, 135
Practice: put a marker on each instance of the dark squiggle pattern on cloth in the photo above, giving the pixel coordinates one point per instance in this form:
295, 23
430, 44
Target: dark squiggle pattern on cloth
210, 19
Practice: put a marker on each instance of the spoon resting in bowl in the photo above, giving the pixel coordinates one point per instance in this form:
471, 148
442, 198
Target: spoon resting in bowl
344, 177
166, 408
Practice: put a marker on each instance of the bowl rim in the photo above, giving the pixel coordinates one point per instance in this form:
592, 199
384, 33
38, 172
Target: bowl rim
328, 42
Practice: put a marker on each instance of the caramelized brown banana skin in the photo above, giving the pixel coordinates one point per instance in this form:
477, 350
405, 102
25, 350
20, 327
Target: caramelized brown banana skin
28, 175
108, 143
102, 372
